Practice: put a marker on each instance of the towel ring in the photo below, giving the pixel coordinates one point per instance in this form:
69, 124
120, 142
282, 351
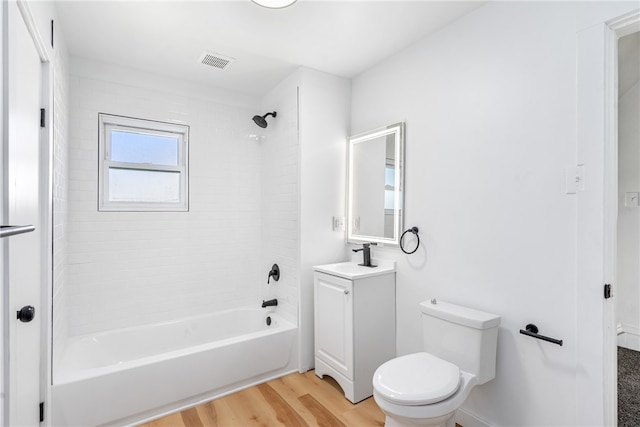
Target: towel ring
414, 230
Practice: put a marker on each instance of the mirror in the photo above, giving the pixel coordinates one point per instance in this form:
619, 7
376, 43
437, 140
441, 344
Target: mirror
375, 186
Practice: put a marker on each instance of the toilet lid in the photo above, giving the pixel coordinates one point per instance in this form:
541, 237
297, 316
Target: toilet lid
416, 379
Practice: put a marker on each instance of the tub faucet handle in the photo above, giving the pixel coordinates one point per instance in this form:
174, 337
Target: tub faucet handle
275, 273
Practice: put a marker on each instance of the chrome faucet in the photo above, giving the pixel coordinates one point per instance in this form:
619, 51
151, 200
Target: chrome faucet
366, 254
270, 303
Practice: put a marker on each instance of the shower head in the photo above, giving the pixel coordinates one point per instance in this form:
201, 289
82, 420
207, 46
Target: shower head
260, 120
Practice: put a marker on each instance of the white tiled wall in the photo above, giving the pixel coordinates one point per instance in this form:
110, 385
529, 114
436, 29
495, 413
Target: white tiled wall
60, 190
132, 268
280, 204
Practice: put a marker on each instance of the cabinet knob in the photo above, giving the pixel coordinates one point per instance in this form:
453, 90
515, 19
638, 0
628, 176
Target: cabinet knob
346, 292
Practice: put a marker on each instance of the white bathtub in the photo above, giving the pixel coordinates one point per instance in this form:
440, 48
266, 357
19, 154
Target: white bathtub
130, 375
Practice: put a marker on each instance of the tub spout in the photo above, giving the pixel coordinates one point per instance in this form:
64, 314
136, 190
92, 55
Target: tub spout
270, 303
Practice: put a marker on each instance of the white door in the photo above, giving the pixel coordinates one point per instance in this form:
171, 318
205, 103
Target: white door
334, 322
22, 204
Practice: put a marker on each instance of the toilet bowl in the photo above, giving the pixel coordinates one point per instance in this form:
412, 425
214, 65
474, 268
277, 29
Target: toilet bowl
426, 388
420, 390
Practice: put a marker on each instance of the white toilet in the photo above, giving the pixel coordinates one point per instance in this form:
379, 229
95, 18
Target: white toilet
425, 389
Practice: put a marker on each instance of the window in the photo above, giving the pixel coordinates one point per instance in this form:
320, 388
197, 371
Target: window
389, 187
143, 165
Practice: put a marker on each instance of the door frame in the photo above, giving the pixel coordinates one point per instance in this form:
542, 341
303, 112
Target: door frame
46, 199
597, 212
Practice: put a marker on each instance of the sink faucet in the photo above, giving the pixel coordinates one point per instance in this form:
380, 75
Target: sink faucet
269, 303
366, 254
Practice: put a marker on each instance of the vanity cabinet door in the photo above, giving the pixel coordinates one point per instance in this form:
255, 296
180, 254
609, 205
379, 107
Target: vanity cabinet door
334, 322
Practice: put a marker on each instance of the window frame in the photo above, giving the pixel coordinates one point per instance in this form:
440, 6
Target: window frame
109, 122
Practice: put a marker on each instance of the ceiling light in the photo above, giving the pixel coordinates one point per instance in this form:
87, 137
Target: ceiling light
274, 4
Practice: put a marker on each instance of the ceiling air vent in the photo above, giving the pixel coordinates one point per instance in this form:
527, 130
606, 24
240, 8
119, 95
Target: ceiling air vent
215, 60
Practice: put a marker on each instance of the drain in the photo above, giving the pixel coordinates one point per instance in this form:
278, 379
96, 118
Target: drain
268, 320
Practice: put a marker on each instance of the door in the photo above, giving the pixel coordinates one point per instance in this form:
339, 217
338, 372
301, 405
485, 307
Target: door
334, 322
21, 194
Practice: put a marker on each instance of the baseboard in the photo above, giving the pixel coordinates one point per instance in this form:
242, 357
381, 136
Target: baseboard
628, 336
625, 327
467, 419
629, 341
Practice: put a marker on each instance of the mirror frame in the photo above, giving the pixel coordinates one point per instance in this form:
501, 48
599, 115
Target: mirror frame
396, 129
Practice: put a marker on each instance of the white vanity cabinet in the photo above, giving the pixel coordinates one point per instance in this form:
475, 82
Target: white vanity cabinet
355, 326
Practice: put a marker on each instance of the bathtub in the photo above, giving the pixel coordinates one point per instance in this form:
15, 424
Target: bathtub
127, 376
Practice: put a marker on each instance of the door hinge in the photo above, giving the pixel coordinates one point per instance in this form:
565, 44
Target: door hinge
41, 411
607, 291
42, 116
52, 33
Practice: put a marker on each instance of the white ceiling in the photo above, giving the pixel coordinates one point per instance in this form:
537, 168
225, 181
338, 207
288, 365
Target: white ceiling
167, 37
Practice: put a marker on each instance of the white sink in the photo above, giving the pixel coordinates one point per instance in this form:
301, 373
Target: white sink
353, 271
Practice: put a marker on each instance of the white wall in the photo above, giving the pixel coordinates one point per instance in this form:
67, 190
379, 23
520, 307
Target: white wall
628, 283
490, 108
133, 268
308, 156
324, 128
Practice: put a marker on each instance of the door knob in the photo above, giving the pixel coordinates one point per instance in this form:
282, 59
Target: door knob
26, 313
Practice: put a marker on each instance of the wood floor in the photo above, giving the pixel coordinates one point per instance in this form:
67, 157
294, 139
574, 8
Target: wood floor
294, 400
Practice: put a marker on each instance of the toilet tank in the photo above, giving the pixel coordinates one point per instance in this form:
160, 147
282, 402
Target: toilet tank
463, 336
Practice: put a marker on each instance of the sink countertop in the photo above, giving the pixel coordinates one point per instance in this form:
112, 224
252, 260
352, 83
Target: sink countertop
353, 271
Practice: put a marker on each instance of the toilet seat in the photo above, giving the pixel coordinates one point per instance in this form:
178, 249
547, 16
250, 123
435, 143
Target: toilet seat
416, 379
